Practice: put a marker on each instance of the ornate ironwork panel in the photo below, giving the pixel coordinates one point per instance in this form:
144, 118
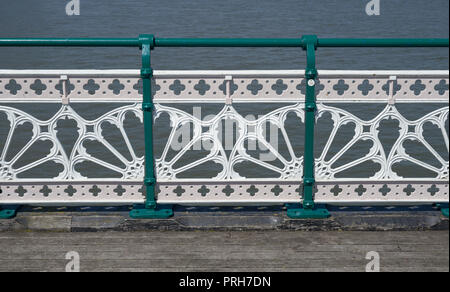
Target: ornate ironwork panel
223, 137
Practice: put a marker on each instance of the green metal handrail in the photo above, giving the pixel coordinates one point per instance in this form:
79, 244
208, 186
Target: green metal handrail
148, 42
220, 42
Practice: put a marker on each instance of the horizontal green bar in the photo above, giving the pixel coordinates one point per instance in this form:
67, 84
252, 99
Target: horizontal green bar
175, 42
69, 42
218, 42
165, 42
334, 43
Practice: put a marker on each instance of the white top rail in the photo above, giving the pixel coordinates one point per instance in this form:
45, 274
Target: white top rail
199, 86
4, 73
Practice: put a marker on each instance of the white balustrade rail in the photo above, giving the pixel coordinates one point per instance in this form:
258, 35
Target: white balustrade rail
278, 96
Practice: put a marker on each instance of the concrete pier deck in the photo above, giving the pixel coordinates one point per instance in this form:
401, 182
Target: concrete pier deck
225, 219
212, 251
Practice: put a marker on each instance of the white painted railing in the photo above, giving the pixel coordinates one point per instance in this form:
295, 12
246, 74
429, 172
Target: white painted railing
261, 164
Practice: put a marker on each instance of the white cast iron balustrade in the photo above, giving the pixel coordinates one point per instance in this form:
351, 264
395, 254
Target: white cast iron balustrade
276, 181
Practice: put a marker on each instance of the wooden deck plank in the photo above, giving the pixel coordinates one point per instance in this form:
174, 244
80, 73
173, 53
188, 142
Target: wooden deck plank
225, 251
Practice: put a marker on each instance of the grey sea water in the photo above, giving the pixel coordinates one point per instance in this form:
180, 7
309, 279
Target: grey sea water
232, 18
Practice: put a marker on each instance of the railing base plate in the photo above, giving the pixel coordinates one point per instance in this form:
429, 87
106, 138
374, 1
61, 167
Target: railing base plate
140, 212
301, 213
443, 208
8, 212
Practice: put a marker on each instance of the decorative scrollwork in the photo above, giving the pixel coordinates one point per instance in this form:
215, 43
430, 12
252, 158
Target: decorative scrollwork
369, 130
209, 131
87, 130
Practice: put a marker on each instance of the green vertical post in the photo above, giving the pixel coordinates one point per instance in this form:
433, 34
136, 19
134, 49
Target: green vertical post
308, 209
150, 210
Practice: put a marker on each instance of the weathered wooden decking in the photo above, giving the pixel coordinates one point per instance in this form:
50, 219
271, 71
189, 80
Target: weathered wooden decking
225, 251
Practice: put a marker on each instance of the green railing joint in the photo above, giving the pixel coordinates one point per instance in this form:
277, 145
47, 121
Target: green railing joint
8, 212
147, 40
307, 40
311, 107
308, 209
150, 181
150, 210
146, 107
146, 73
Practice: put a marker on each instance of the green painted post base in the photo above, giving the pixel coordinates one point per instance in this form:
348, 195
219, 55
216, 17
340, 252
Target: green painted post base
298, 212
443, 209
140, 212
8, 212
